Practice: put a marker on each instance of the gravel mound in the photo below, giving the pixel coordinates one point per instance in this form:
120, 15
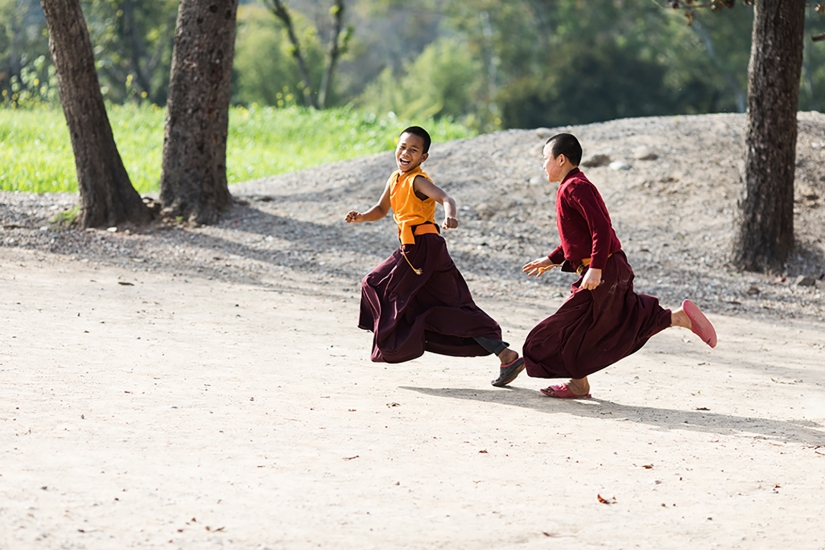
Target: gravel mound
671, 185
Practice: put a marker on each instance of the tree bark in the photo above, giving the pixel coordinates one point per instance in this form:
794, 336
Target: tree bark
764, 234
193, 179
106, 194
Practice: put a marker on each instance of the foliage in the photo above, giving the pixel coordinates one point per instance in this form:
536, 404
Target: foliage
487, 63
265, 72
133, 43
36, 154
442, 82
26, 75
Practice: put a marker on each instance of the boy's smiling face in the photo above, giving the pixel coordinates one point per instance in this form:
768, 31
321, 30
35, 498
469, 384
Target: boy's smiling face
410, 152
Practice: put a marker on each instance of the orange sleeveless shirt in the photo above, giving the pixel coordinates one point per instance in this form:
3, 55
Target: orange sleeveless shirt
407, 209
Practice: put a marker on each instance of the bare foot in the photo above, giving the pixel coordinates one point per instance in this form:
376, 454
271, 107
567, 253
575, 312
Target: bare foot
579, 386
679, 318
507, 356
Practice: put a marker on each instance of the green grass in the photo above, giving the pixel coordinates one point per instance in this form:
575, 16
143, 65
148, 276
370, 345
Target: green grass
36, 153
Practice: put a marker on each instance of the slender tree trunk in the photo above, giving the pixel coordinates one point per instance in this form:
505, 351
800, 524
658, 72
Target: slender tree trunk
131, 33
333, 53
281, 12
764, 236
106, 194
193, 179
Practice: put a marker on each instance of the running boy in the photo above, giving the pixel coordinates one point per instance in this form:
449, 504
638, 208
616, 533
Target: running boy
603, 320
416, 300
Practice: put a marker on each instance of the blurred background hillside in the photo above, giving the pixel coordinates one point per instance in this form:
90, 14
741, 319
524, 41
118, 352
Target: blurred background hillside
486, 64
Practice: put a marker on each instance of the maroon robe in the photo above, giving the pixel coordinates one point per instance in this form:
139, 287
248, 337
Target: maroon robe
593, 328
410, 314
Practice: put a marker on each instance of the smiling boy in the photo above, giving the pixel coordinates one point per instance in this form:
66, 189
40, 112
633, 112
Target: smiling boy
416, 300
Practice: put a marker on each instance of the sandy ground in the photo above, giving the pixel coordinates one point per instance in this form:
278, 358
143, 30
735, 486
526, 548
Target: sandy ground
159, 411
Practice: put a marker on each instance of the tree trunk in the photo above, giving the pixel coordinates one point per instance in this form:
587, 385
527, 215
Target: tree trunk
280, 11
193, 179
106, 194
131, 33
764, 236
333, 53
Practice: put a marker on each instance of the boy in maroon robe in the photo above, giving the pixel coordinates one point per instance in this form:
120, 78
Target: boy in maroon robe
603, 320
416, 300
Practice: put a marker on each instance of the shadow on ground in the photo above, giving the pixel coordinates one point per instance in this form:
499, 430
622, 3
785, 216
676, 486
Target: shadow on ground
798, 431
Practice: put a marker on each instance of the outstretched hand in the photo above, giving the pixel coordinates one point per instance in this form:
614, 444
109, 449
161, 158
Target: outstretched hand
353, 217
538, 267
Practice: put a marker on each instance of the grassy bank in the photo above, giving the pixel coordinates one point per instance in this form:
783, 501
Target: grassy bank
36, 153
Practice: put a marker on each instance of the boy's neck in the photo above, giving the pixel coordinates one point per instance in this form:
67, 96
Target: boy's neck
566, 169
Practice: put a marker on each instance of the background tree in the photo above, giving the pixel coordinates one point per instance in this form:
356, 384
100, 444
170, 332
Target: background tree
25, 71
765, 226
764, 233
317, 97
193, 174
107, 197
134, 52
274, 78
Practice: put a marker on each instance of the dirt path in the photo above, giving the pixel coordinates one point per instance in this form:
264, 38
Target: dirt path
187, 413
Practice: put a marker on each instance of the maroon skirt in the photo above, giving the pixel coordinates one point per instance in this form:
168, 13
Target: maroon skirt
594, 328
410, 314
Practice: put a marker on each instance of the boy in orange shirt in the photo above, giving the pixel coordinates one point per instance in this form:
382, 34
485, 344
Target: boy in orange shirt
416, 300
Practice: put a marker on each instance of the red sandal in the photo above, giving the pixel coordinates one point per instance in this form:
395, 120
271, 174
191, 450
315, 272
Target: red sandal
561, 391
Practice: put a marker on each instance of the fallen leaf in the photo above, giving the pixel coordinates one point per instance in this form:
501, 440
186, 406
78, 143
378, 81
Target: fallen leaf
603, 500
350, 457
702, 409
125, 283
647, 466
483, 451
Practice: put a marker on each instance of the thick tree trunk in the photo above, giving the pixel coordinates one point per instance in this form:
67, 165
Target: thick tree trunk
193, 179
107, 197
764, 236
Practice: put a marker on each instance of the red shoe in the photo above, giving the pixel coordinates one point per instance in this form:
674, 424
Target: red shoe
699, 324
562, 392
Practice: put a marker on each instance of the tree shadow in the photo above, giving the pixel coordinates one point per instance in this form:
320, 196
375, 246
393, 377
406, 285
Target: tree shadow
797, 431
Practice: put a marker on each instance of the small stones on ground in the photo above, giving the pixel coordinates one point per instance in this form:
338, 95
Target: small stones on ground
595, 160
618, 165
644, 153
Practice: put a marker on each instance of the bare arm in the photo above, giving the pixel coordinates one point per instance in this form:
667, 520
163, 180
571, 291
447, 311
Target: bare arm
426, 187
378, 211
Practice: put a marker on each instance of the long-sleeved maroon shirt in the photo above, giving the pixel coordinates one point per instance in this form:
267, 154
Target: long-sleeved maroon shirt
584, 224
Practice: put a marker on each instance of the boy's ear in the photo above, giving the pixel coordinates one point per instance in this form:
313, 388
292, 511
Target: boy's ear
425, 156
